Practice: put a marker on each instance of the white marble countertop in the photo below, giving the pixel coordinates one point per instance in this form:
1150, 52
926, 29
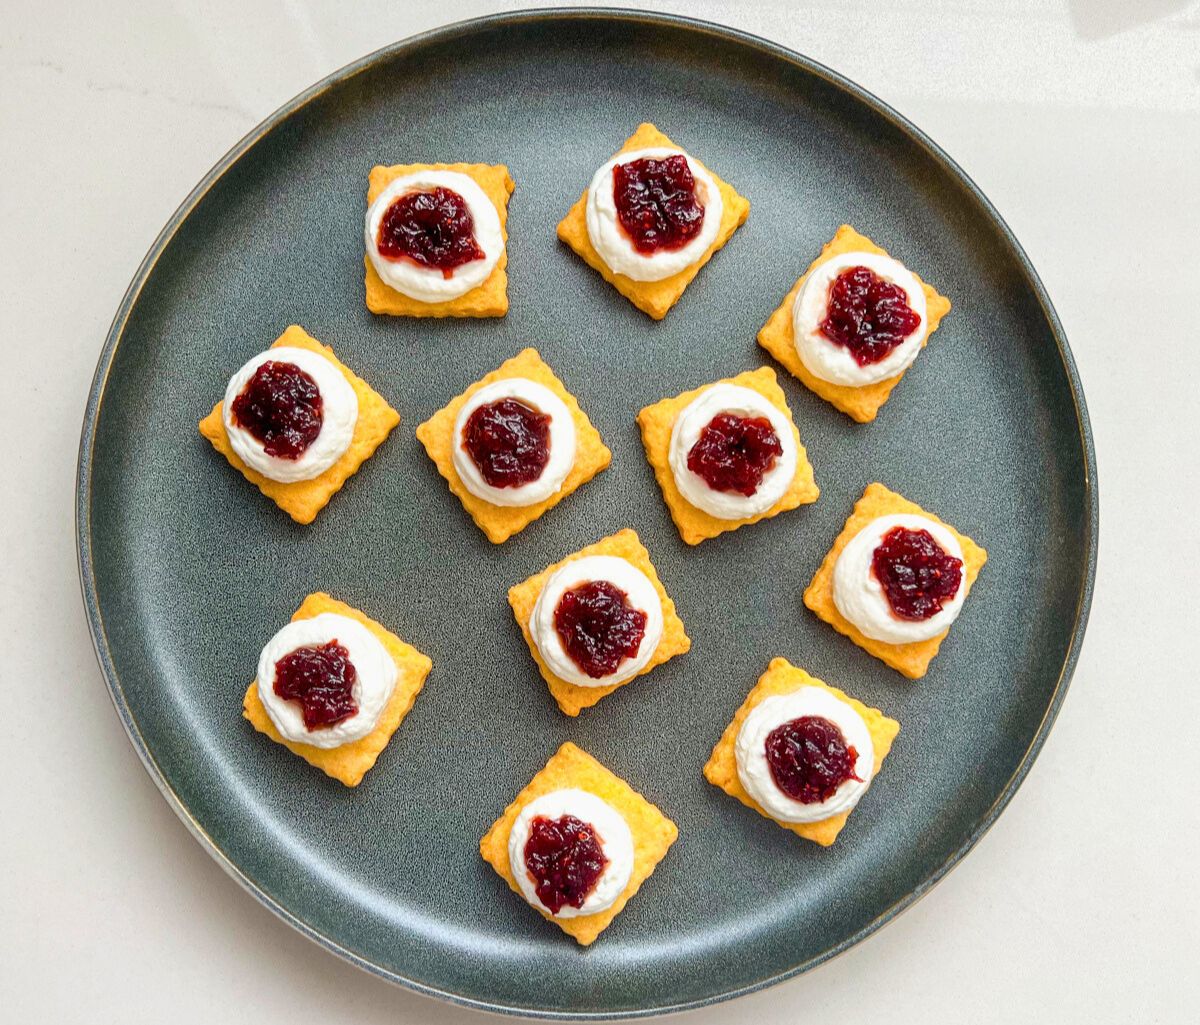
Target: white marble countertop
1079, 118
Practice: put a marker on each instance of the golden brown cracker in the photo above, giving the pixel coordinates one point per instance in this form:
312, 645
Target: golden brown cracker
489, 299
910, 659
653, 297
303, 499
782, 677
779, 339
570, 767
498, 522
350, 762
695, 525
625, 544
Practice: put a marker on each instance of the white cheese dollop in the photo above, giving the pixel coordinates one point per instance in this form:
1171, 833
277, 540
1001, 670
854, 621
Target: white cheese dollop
612, 832
429, 284
614, 570
614, 245
339, 415
698, 414
375, 678
754, 771
859, 595
562, 443
831, 362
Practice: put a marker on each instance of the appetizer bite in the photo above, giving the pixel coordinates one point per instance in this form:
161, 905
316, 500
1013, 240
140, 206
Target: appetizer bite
513, 445
895, 579
297, 423
727, 454
332, 686
436, 240
577, 843
801, 752
853, 324
651, 218
596, 620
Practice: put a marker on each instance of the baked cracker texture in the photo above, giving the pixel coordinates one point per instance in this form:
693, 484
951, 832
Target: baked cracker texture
350, 762
910, 659
782, 677
489, 299
499, 522
303, 499
778, 338
625, 544
653, 297
695, 525
570, 767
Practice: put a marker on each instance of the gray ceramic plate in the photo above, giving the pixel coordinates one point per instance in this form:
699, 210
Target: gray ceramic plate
187, 570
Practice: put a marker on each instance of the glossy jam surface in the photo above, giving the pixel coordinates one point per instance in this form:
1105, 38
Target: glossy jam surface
565, 859
809, 758
656, 203
916, 573
433, 228
867, 315
321, 678
733, 452
598, 627
509, 442
280, 406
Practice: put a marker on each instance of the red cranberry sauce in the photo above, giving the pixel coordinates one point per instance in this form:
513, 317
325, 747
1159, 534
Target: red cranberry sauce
565, 859
867, 315
916, 573
656, 202
321, 678
734, 453
433, 228
281, 406
509, 442
809, 758
598, 627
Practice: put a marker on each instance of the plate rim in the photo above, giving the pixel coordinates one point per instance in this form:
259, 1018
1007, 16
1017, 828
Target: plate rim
441, 34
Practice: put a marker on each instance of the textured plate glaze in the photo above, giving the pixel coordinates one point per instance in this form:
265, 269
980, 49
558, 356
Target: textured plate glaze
187, 569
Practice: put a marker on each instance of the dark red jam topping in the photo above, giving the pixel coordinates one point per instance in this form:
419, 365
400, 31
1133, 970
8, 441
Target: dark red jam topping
281, 406
810, 759
916, 573
321, 678
433, 228
733, 452
867, 315
656, 203
566, 860
598, 627
509, 441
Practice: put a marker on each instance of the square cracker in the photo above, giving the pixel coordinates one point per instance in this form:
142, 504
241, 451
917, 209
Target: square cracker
910, 659
303, 499
782, 677
489, 299
653, 297
779, 339
625, 544
695, 525
500, 522
350, 762
653, 833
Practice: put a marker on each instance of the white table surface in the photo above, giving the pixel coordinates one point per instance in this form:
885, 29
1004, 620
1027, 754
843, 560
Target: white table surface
1081, 121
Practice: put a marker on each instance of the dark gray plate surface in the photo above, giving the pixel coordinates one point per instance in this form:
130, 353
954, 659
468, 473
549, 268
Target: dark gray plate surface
187, 570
